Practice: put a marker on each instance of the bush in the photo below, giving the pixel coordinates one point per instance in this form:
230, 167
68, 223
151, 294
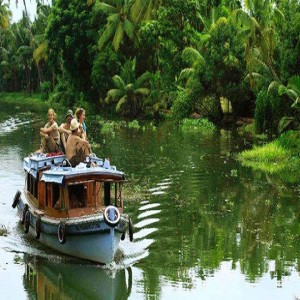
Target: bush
182, 106
134, 124
267, 112
203, 125
45, 88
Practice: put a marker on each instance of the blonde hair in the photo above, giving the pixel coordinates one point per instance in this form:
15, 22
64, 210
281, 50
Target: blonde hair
79, 112
51, 111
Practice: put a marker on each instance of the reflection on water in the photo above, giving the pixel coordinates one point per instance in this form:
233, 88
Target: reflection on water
201, 219
46, 279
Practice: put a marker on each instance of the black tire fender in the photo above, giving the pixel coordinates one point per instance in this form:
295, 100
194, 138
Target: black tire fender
61, 232
130, 230
27, 221
38, 227
25, 209
16, 199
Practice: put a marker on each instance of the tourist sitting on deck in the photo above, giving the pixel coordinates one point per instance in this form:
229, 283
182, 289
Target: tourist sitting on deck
76, 148
65, 131
80, 116
50, 139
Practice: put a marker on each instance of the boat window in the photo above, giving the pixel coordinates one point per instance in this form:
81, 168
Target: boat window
106, 193
52, 195
32, 185
78, 195
112, 194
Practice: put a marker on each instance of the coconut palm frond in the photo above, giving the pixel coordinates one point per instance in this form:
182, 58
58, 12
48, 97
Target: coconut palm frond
119, 82
106, 35
105, 8
113, 95
186, 73
142, 91
129, 88
114, 18
121, 102
254, 75
284, 123
281, 89
129, 28
144, 78
273, 85
191, 55
118, 37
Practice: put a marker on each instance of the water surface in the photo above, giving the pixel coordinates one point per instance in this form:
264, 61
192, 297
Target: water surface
204, 227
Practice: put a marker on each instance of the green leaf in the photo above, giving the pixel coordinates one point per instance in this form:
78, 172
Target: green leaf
122, 101
106, 8
113, 95
118, 37
106, 35
119, 83
284, 123
142, 91
129, 28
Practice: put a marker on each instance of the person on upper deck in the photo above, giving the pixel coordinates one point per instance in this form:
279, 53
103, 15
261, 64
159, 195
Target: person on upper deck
64, 130
50, 138
76, 148
80, 116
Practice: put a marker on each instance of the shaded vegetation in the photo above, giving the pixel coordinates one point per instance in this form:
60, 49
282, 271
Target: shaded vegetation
140, 58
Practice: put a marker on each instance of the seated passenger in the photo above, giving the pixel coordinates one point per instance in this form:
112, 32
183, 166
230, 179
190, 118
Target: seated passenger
80, 116
65, 131
50, 139
76, 148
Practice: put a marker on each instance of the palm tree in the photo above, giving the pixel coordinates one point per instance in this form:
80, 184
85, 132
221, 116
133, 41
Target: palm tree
5, 15
118, 22
144, 10
39, 39
130, 91
195, 60
259, 20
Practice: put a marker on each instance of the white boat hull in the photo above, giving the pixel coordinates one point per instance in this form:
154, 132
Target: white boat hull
89, 238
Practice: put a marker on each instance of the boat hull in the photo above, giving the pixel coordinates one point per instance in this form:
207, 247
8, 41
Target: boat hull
86, 237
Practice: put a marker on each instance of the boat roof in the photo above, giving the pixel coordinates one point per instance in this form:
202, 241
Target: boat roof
99, 169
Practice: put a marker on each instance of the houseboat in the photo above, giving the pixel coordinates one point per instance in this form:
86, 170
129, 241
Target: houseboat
77, 211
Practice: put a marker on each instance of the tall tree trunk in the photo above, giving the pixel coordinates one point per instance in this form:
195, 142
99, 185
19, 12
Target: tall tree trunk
31, 41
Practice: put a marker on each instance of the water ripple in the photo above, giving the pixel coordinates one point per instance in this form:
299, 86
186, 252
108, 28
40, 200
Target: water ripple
149, 213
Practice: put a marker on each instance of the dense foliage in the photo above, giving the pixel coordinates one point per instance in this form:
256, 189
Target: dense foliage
186, 55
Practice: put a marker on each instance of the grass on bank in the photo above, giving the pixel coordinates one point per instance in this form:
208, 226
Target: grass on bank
22, 101
200, 125
280, 157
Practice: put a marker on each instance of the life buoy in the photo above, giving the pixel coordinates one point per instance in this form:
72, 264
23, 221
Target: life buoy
130, 229
24, 213
61, 232
16, 199
37, 227
27, 221
111, 215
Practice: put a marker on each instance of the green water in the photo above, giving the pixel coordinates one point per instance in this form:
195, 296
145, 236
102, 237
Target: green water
204, 226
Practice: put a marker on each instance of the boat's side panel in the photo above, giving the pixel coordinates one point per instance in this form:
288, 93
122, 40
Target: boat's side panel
89, 238
99, 247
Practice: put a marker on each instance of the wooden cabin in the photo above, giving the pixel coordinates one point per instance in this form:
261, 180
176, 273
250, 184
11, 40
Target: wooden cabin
66, 192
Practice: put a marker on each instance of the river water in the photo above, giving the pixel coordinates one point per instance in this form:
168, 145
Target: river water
204, 226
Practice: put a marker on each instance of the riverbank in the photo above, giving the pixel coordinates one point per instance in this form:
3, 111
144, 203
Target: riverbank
20, 101
279, 158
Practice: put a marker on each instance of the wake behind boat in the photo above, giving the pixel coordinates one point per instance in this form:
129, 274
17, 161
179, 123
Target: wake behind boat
77, 211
